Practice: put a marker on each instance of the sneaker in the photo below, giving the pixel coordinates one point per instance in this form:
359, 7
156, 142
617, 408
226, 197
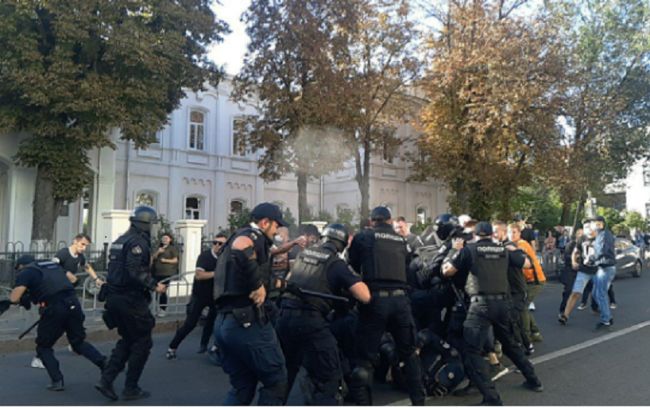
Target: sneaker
135, 394
612, 305
562, 319
582, 306
537, 337
529, 350
56, 386
162, 314
603, 325
37, 363
535, 386
531, 307
106, 389
171, 354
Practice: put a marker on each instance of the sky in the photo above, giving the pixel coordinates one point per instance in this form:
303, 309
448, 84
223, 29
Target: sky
230, 53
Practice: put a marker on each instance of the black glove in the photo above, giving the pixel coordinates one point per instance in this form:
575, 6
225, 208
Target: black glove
4, 305
25, 302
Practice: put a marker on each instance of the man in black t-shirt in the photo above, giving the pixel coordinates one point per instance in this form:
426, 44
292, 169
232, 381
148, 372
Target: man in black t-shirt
72, 259
201, 298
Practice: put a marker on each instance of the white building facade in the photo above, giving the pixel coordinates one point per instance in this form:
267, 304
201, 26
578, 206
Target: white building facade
195, 171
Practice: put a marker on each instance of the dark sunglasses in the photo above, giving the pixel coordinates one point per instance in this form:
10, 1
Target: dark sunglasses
220, 243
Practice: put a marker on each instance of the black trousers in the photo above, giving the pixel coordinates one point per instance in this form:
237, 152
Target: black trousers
307, 341
194, 309
390, 314
518, 304
568, 278
427, 306
482, 315
130, 313
63, 316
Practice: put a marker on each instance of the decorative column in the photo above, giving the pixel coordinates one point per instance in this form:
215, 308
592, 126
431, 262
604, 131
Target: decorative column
190, 230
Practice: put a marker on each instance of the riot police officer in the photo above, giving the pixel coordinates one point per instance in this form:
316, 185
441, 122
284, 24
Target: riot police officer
487, 286
303, 326
48, 287
382, 257
247, 342
129, 288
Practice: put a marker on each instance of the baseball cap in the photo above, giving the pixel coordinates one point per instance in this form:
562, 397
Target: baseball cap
268, 210
381, 213
483, 229
24, 260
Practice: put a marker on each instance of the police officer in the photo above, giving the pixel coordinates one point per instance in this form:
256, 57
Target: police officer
130, 287
50, 289
247, 342
487, 286
382, 257
303, 327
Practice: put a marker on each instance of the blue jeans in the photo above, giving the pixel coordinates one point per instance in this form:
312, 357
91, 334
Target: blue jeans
602, 282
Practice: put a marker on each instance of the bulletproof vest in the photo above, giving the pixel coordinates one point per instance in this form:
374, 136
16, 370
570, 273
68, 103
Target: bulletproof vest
489, 271
228, 282
389, 254
54, 280
309, 272
118, 276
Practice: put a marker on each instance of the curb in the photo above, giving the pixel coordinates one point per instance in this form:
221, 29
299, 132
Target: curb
93, 334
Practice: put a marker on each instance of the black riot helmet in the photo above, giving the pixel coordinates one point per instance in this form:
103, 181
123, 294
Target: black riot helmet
143, 218
336, 234
445, 225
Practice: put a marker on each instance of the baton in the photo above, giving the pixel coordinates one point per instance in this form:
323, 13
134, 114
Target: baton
23, 334
323, 295
459, 297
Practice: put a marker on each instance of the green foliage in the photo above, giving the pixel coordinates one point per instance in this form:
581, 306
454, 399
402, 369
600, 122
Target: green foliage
634, 220
345, 216
238, 220
73, 70
538, 205
612, 216
288, 217
418, 227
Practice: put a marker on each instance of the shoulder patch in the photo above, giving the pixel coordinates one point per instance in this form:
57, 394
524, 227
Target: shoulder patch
136, 250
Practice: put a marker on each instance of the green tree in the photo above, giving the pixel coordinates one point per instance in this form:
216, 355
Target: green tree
72, 70
237, 220
606, 98
634, 220
290, 74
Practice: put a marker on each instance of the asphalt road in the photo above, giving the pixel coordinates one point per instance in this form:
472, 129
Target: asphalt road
577, 365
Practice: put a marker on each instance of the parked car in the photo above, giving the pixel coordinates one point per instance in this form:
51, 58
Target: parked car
628, 258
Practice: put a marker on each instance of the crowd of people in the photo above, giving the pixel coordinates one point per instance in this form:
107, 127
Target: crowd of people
426, 312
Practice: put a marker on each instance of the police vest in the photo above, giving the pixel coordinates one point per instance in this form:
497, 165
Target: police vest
229, 282
54, 280
118, 275
309, 272
389, 254
489, 271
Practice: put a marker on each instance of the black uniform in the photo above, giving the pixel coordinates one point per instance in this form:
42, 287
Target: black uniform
72, 264
382, 257
517, 284
127, 306
303, 328
487, 287
201, 298
248, 345
60, 312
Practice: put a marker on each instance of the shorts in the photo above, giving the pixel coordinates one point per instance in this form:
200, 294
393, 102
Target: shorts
581, 282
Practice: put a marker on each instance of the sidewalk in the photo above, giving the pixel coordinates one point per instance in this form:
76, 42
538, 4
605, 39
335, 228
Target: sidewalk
16, 320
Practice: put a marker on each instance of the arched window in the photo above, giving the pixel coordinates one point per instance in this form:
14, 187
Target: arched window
421, 214
193, 207
197, 130
236, 206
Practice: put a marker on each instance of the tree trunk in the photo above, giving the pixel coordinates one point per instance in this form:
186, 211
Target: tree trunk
303, 206
566, 212
363, 179
46, 208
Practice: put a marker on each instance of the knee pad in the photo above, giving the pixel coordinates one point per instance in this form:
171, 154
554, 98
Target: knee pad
424, 338
450, 375
360, 382
388, 352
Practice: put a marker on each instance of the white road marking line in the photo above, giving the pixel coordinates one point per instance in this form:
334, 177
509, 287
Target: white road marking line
559, 353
